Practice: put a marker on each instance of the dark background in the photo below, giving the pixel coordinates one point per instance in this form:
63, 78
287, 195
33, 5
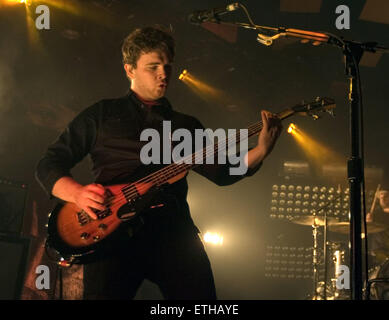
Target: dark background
48, 76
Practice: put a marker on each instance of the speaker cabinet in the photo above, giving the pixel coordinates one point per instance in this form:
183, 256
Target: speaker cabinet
12, 206
14, 251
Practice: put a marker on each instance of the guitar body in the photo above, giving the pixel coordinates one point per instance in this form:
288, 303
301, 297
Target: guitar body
73, 234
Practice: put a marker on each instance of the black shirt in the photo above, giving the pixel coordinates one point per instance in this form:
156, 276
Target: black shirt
109, 131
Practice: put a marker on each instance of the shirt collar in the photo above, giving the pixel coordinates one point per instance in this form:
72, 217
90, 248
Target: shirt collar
160, 103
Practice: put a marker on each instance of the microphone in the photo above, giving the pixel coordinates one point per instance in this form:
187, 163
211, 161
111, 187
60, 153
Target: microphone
200, 16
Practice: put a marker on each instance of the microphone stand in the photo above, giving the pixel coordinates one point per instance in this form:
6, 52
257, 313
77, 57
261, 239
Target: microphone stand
353, 52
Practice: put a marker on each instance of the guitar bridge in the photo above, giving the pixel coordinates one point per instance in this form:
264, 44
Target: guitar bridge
83, 218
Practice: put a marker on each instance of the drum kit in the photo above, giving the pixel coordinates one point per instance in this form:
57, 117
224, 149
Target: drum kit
336, 255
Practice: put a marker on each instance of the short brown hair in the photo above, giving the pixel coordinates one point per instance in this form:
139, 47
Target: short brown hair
145, 40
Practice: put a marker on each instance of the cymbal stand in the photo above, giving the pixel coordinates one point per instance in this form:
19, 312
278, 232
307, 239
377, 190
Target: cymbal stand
315, 259
325, 254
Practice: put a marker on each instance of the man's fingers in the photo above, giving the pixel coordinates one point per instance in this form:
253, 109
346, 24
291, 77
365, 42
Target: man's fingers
265, 120
95, 197
97, 188
95, 205
90, 213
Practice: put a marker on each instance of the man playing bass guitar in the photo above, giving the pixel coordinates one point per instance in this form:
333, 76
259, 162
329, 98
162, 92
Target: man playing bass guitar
167, 249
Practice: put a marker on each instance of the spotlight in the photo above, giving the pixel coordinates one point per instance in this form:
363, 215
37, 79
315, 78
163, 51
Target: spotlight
26, 2
183, 75
213, 238
291, 128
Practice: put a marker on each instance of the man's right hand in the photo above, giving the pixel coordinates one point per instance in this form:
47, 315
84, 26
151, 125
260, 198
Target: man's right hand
91, 196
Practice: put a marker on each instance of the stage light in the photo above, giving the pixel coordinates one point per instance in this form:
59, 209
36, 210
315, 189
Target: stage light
18, 1
183, 75
202, 89
315, 150
213, 238
291, 128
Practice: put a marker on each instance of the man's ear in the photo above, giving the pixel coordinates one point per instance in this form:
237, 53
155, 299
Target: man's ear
129, 71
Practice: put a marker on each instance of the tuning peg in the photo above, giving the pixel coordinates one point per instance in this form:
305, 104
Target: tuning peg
331, 112
314, 116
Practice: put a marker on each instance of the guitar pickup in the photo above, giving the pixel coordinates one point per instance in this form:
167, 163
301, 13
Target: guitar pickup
102, 214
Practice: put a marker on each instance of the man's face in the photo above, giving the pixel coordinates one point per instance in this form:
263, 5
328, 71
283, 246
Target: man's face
151, 76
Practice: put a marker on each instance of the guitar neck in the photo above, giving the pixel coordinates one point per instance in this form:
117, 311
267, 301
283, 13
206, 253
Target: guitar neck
163, 175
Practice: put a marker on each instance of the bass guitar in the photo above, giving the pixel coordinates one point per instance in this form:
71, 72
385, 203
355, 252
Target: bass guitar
74, 235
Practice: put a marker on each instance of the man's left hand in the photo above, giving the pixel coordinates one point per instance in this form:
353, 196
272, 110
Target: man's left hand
270, 132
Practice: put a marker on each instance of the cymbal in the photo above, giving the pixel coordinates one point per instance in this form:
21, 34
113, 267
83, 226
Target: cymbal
311, 220
344, 227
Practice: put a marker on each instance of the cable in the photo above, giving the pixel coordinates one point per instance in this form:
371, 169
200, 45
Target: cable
247, 14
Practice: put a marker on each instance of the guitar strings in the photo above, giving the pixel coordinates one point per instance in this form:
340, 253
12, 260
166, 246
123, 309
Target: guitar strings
174, 169
131, 190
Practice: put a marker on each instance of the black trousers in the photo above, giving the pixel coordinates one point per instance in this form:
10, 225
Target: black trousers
168, 253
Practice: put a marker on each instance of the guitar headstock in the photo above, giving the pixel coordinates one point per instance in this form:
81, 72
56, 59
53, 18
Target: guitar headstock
311, 109
314, 107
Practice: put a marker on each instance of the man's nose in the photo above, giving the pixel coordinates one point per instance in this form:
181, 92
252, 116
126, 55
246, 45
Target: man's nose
165, 72
162, 74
